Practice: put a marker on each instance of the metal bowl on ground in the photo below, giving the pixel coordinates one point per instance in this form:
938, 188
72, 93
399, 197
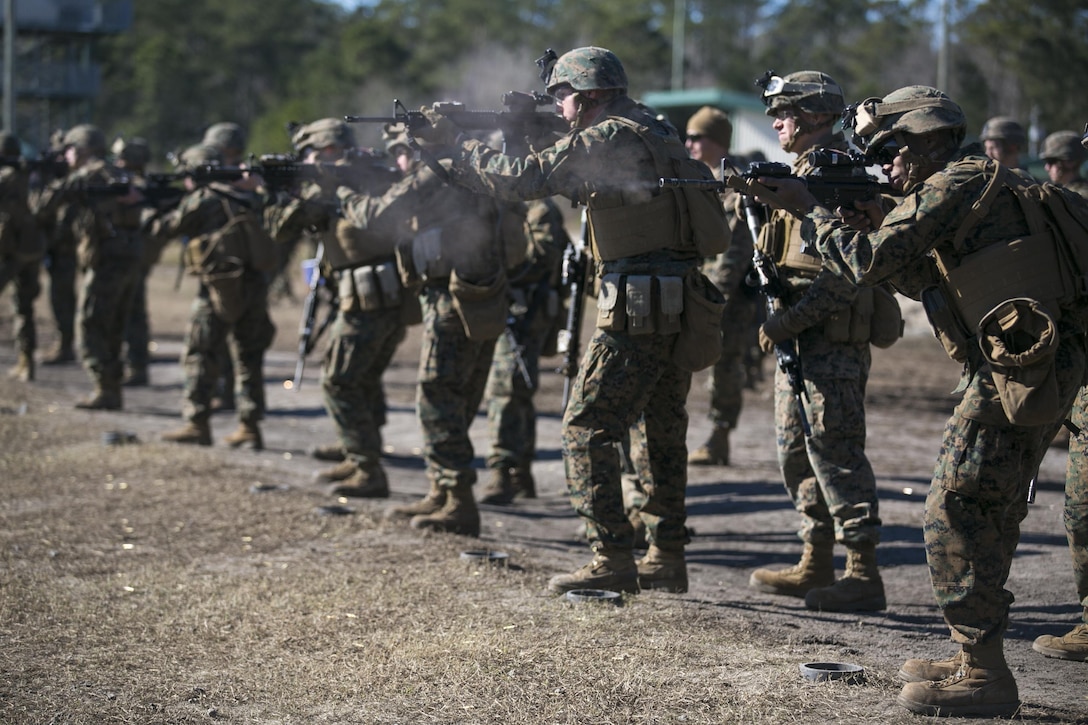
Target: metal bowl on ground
823, 671
604, 596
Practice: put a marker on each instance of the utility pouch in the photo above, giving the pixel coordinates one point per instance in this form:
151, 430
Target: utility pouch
368, 289
670, 304
226, 291
611, 310
945, 323
852, 325
345, 291
699, 344
389, 284
1019, 339
887, 322
639, 304
482, 306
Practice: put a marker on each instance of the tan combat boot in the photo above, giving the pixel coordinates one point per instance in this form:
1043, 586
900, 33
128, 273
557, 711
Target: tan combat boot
429, 504
611, 569
919, 670
665, 570
860, 590
500, 490
815, 569
715, 452
983, 686
329, 452
246, 434
104, 398
195, 433
1072, 645
61, 354
459, 515
23, 370
341, 471
367, 482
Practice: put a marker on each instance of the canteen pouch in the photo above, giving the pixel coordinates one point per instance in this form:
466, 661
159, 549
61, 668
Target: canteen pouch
482, 306
851, 326
946, 325
1019, 339
611, 309
367, 287
887, 322
670, 304
699, 343
639, 304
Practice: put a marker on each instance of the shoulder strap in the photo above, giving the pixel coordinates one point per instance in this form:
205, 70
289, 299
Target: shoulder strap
981, 207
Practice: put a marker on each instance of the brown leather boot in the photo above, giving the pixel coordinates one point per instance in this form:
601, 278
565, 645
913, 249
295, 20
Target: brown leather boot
715, 452
920, 670
500, 490
63, 353
458, 515
815, 569
23, 369
611, 569
1072, 645
860, 590
246, 434
364, 483
195, 433
339, 472
665, 570
983, 686
429, 504
104, 398
329, 452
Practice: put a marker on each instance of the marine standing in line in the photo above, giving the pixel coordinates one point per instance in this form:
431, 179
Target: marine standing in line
110, 247
959, 240
827, 474
610, 161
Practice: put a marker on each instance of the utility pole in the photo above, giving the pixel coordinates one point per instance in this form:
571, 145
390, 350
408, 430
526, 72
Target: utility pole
9, 66
679, 21
944, 49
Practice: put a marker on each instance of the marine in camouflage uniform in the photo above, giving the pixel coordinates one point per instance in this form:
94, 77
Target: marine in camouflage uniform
369, 323
607, 162
443, 232
1003, 138
60, 262
1064, 155
221, 215
511, 414
986, 463
110, 248
21, 251
827, 474
132, 156
709, 134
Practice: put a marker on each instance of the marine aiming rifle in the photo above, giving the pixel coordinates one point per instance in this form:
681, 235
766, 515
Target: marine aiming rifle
569, 340
520, 120
839, 178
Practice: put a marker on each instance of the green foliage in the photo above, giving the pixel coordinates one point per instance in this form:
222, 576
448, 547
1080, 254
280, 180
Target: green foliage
188, 63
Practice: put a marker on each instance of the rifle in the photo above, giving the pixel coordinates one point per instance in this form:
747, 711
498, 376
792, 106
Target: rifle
307, 335
764, 277
569, 339
838, 179
519, 120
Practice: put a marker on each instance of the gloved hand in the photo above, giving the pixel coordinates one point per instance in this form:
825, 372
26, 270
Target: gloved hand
779, 327
438, 130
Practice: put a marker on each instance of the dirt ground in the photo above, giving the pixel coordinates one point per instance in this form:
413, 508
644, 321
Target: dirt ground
740, 515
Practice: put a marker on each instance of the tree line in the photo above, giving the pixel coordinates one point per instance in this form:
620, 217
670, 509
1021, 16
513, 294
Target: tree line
185, 64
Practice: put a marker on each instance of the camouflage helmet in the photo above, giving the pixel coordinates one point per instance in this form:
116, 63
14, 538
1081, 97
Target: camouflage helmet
225, 135
587, 69
134, 151
712, 123
395, 134
1064, 146
322, 134
913, 109
1003, 128
199, 155
10, 146
805, 90
86, 137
